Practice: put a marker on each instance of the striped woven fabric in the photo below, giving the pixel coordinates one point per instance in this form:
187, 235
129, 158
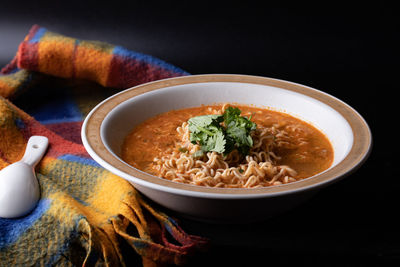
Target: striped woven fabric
86, 215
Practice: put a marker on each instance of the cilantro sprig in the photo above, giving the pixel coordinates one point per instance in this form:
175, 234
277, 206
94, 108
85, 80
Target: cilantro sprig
222, 133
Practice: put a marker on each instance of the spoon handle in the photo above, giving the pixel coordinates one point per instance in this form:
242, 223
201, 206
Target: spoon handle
35, 150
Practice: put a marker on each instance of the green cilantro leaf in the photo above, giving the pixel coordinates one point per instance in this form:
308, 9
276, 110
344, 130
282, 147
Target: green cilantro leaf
209, 132
239, 128
200, 123
215, 143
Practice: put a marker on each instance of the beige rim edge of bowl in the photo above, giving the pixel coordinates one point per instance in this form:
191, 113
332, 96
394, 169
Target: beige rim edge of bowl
358, 153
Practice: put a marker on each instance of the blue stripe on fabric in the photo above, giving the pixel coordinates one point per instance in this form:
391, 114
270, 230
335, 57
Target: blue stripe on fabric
56, 121
20, 123
123, 52
139, 244
12, 229
82, 202
74, 158
59, 110
14, 70
38, 35
169, 229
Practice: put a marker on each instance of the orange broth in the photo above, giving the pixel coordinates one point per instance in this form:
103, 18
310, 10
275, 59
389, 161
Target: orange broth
158, 134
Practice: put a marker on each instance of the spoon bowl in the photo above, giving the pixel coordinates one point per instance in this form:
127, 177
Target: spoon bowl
19, 188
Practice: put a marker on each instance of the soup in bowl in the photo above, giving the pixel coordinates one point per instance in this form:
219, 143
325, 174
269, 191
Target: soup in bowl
227, 146
230, 148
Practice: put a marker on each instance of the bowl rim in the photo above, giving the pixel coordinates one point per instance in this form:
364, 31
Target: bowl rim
92, 141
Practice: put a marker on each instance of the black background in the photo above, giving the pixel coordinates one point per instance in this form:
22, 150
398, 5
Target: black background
347, 51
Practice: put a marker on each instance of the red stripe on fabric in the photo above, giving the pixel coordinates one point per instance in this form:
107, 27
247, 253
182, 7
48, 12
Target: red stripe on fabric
32, 32
127, 72
28, 56
157, 73
58, 145
124, 73
68, 130
188, 242
10, 66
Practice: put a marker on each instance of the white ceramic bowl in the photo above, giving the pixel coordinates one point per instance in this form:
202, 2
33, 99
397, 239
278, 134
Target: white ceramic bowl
109, 122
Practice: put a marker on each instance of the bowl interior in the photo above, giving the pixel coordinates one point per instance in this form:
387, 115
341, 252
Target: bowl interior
121, 119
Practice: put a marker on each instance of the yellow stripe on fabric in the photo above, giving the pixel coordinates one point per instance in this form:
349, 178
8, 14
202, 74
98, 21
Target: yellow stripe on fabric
116, 196
109, 194
97, 204
45, 163
14, 80
93, 60
11, 82
102, 233
56, 55
74, 178
66, 209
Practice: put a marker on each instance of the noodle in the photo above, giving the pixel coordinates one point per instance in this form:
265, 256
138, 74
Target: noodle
213, 169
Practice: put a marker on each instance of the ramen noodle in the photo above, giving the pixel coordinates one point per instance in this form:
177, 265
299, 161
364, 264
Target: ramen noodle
285, 149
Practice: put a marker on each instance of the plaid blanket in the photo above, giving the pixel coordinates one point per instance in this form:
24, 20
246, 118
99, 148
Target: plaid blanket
86, 215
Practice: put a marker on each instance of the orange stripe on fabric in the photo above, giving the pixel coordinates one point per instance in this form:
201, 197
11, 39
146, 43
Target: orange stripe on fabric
92, 61
12, 143
6, 89
56, 55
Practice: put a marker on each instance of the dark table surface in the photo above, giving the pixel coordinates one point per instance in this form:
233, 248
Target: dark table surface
350, 52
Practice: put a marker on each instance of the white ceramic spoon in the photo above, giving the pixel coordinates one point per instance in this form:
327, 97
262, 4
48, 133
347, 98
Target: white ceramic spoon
19, 188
